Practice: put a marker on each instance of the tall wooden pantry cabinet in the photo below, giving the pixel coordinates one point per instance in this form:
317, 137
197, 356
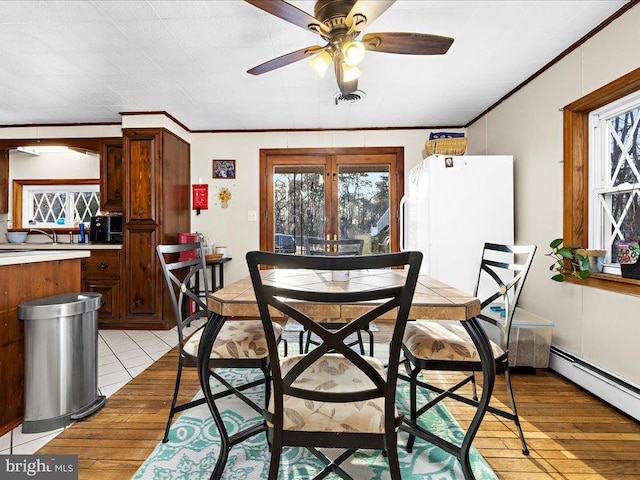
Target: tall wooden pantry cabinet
156, 208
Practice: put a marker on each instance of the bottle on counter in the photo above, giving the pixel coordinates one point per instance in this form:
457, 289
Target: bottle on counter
81, 236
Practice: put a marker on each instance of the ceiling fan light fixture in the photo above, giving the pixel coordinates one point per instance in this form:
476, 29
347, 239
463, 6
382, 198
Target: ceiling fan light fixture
353, 53
350, 73
320, 63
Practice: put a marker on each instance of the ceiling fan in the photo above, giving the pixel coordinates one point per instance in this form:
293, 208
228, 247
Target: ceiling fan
340, 22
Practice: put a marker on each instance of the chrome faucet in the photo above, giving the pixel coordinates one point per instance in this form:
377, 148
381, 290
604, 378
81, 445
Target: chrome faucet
53, 237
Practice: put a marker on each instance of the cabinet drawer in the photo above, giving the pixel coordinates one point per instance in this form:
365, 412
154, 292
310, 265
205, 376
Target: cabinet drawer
104, 264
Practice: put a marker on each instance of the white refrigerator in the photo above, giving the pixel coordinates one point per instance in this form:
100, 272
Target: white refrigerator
452, 206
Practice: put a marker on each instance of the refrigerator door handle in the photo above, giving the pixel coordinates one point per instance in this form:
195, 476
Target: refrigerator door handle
403, 200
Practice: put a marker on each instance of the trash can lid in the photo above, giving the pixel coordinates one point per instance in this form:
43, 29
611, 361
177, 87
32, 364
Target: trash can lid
65, 305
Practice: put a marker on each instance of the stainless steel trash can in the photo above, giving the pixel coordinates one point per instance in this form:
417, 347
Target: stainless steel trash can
61, 360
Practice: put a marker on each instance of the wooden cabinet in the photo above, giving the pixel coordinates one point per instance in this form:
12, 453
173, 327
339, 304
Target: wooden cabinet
53, 278
4, 181
142, 175
111, 176
102, 273
156, 208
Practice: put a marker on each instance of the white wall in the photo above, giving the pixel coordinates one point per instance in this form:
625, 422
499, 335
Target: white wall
230, 226
599, 326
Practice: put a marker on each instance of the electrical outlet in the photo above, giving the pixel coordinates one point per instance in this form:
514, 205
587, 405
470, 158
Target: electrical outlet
252, 216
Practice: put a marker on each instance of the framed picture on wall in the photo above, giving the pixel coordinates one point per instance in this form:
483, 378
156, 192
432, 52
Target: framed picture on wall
224, 169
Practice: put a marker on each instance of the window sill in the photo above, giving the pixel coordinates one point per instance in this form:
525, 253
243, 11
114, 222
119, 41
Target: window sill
614, 283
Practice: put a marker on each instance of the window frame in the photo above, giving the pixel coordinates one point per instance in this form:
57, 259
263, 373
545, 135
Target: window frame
19, 191
601, 185
576, 118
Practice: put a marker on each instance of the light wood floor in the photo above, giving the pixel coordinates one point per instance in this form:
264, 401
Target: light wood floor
571, 434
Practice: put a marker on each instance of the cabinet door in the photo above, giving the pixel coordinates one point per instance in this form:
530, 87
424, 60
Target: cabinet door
102, 275
4, 181
111, 176
109, 313
142, 294
141, 156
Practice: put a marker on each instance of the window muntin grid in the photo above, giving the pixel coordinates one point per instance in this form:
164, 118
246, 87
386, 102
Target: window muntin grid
59, 205
615, 174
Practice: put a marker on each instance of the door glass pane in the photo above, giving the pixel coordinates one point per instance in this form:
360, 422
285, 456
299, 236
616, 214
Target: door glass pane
298, 206
363, 205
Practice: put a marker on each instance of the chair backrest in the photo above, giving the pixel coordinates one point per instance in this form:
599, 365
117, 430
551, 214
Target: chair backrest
318, 246
181, 265
505, 268
294, 280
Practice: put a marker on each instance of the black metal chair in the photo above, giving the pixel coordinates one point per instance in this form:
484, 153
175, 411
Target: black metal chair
236, 344
438, 345
352, 246
332, 397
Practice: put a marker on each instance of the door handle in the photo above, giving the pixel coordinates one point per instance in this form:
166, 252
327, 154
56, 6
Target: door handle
102, 265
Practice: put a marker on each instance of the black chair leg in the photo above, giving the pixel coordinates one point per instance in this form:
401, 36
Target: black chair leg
370, 342
172, 412
276, 452
475, 388
360, 342
525, 450
413, 405
392, 454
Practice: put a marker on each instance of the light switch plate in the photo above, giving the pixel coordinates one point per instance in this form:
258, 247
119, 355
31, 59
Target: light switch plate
252, 216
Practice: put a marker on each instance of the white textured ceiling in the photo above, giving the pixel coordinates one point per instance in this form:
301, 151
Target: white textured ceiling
88, 61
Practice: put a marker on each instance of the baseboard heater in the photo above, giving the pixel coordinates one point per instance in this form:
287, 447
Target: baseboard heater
609, 387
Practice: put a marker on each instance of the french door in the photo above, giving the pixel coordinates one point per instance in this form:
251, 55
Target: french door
337, 193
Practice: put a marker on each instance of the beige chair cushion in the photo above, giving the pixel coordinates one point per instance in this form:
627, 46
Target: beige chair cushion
332, 373
433, 340
237, 339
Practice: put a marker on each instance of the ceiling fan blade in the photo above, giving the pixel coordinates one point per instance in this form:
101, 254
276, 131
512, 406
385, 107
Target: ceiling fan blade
291, 14
285, 60
369, 9
407, 43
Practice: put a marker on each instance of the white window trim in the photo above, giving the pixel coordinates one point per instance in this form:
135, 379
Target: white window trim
599, 171
31, 189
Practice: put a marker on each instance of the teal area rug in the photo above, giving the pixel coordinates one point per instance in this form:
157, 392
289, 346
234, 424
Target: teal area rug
193, 447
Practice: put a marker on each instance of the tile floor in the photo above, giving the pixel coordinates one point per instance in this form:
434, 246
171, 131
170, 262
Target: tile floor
122, 354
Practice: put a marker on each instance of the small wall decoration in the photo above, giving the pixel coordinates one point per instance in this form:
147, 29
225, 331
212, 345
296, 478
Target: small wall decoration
224, 169
224, 195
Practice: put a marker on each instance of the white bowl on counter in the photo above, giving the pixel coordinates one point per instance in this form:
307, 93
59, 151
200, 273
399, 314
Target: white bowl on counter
16, 237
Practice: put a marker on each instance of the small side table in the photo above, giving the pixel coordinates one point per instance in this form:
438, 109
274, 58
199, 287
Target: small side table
213, 285
220, 264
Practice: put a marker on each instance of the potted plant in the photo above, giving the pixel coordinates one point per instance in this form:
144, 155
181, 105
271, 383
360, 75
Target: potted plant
628, 254
574, 261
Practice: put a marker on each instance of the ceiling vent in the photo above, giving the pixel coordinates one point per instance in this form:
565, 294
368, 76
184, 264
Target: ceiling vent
352, 97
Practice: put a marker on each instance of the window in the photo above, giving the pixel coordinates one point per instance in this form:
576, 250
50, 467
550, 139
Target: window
56, 205
335, 193
589, 189
614, 179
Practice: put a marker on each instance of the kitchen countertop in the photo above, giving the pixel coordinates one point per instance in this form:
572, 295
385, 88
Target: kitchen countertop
60, 246
16, 257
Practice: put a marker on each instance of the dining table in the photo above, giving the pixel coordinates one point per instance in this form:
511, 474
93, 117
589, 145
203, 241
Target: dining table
433, 300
